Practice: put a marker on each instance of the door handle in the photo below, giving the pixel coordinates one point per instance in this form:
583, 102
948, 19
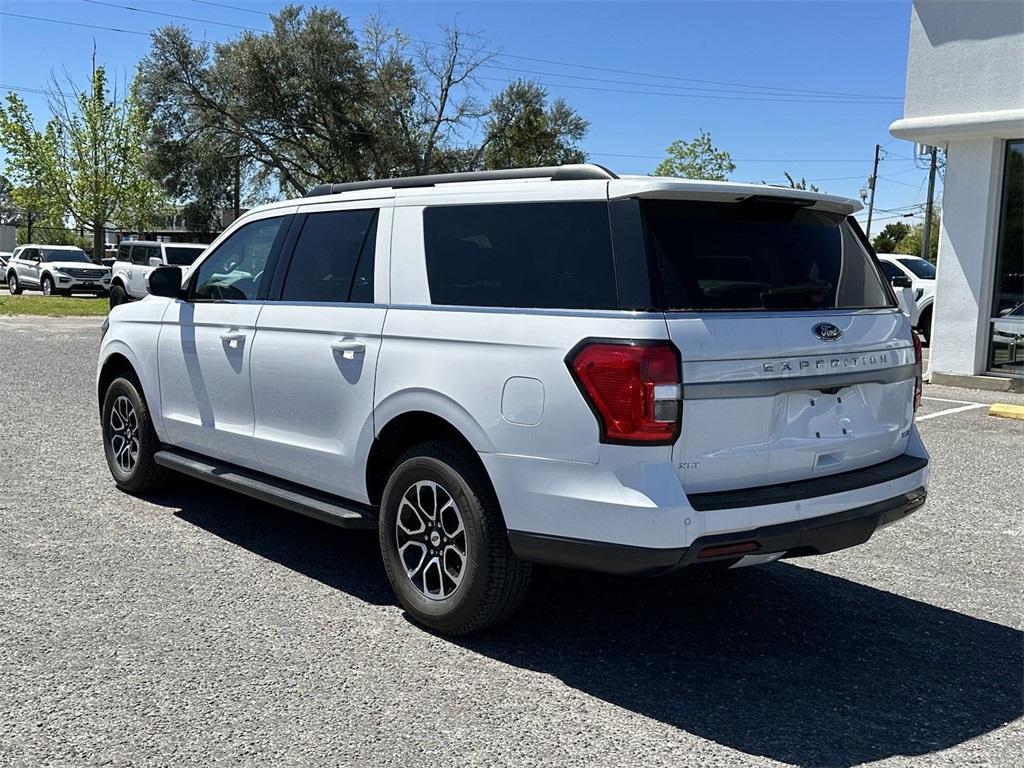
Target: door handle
349, 348
232, 337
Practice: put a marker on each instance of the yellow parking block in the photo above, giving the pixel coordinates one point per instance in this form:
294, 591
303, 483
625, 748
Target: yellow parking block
1006, 411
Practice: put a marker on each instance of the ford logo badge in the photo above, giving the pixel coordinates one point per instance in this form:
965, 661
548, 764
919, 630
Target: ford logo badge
826, 331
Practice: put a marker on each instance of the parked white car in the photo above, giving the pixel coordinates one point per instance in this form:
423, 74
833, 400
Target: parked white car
5, 256
922, 277
137, 258
558, 365
55, 270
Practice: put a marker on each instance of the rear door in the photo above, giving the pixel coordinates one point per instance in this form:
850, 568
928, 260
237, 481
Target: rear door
206, 343
315, 355
796, 360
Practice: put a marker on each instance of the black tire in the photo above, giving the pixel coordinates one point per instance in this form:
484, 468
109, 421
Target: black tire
13, 285
47, 286
493, 580
118, 295
924, 326
144, 474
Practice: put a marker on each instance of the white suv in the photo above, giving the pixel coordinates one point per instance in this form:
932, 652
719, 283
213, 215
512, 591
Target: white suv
556, 365
137, 258
922, 280
55, 270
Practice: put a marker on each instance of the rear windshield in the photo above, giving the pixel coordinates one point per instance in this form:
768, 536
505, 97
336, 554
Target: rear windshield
181, 256
923, 269
758, 255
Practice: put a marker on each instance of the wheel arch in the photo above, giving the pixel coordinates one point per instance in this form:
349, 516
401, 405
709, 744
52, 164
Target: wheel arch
401, 432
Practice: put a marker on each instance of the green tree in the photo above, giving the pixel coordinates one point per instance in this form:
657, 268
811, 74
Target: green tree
523, 130
894, 233
306, 103
911, 244
87, 163
698, 158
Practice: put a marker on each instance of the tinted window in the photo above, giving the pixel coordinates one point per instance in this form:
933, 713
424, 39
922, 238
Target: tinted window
923, 269
890, 270
234, 269
548, 255
29, 254
124, 252
141, 254
180, 255
333, 258
758, 254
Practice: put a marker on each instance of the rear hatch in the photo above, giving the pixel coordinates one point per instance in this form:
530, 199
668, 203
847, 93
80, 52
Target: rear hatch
796, 361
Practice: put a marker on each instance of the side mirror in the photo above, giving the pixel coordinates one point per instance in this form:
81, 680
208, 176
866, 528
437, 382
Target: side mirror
165, 281
154, 261
901, 281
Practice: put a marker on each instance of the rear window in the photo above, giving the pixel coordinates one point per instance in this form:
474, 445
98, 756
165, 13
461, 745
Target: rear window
530, 255
181, 256
758, 255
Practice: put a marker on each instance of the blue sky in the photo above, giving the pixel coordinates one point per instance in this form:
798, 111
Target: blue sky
649, 72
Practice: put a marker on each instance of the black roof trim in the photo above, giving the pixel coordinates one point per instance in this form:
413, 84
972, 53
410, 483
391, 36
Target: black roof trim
554, 172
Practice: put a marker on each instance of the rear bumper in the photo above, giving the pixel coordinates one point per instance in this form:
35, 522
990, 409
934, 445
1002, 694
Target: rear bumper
811, 536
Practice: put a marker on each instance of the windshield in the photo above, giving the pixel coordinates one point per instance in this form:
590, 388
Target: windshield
759, 254
923, 269
70, 254
182, 256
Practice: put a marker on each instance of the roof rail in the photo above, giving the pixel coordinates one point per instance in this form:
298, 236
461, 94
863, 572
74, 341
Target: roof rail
553, 172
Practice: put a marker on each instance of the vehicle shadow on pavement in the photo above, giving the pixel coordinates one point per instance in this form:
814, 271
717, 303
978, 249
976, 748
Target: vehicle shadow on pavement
780, 660
345, 560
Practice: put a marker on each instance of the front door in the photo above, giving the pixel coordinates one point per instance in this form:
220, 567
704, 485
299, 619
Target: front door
206, 345
315, 354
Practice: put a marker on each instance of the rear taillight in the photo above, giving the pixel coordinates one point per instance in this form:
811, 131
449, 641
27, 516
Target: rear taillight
634, 389
919, 363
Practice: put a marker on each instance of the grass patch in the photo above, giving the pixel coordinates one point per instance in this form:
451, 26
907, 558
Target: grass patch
54, 306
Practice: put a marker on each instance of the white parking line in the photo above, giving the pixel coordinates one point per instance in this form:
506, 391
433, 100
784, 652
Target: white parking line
947, 400
948, 411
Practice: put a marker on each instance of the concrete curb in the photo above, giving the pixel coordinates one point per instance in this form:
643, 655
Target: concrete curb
1006, 411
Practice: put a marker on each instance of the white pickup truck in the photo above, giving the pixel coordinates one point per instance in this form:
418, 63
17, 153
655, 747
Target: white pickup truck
137, 258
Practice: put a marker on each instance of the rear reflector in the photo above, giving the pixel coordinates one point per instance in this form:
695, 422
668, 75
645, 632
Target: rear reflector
729, 549
634, 389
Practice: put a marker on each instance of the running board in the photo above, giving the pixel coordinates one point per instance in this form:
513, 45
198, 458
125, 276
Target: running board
290, 496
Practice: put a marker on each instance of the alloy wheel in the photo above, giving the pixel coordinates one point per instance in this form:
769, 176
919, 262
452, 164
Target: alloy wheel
431, 538
124, 434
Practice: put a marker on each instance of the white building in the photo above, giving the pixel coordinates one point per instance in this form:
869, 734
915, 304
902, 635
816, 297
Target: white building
965, 93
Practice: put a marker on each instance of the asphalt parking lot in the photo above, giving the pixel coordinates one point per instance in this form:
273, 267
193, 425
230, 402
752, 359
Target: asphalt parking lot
200, 628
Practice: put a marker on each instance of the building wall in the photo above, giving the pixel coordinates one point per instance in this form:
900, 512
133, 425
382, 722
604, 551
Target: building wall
965, 93
965, 56
966, 262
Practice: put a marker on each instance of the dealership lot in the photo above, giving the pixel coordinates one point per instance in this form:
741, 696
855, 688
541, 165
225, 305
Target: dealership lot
202, 628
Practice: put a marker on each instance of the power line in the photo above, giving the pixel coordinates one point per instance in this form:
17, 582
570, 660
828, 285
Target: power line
653, 85
173, 15
634, 92
232, 7
74, 23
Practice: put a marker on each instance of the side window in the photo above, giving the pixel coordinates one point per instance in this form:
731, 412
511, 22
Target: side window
124, 252
333, 258
544, 255
140, 254
30, 254
889, 269
233, 271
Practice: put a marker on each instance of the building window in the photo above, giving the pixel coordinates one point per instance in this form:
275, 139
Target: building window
1006, 350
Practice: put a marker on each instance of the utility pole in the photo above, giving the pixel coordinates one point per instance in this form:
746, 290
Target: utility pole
236, 197
871, 189
928, 206
28, 226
